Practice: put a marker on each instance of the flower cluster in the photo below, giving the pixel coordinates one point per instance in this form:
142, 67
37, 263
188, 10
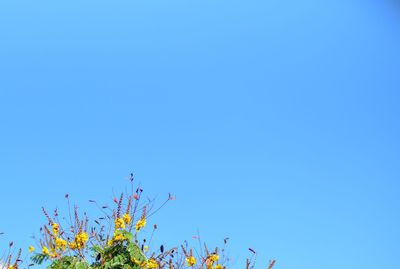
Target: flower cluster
115, 240
110, 241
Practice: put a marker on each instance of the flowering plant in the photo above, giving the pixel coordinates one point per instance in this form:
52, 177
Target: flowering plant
112, 240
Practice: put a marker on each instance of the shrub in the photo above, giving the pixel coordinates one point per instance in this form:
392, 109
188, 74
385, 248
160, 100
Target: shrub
111, 241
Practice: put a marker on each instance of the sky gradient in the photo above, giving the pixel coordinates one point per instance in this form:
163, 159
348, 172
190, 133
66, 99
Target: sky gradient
275, 123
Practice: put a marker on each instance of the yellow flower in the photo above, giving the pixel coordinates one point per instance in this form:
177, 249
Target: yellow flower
140, 224
142, 264
79, 241
56, 228
218, 266
31, 249
119, 237
191, 261
81, 238
45, 250
119, 223
72, 245
152, 264
214, 257
135, 261
61, 243
127, 218
53, 254
116, 237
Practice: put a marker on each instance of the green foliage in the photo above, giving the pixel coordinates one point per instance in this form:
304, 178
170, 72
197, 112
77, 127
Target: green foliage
68, 262
39, 258
121, 255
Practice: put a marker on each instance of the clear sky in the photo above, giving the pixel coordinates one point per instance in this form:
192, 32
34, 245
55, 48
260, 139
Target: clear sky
275, 123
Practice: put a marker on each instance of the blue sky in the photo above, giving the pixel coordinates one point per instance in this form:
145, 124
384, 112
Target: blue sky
275, 123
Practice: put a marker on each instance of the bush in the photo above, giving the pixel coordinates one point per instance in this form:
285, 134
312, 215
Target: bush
111, 241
